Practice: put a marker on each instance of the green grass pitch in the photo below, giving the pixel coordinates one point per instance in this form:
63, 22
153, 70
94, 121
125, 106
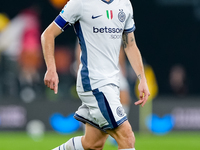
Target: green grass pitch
171, 141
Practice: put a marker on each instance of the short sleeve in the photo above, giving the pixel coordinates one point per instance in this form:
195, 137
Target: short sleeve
69, 14
130, 23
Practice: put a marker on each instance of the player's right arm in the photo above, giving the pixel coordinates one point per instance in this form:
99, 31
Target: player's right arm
48, 45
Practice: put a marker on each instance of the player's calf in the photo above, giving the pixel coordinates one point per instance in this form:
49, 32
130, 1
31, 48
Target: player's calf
124, 136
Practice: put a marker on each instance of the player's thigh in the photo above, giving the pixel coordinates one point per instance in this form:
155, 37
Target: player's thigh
93, 138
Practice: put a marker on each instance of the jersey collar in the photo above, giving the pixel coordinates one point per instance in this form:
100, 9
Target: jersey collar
107, 2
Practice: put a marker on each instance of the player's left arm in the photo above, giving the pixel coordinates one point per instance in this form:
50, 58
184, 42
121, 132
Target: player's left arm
135, 59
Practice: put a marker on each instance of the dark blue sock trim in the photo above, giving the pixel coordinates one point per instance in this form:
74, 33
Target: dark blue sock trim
73, 143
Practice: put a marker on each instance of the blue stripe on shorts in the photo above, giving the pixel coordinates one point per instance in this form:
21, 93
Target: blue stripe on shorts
105, 108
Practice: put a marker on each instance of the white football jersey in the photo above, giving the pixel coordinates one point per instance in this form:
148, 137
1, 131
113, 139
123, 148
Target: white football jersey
99, 26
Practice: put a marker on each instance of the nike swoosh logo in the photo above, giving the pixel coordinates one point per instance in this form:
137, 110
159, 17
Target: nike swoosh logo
94, 17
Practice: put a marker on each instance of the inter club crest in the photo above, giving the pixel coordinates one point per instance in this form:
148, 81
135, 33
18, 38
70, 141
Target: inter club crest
120, 111
121, 15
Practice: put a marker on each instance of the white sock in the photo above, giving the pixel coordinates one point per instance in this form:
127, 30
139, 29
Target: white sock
72, 144
77, 143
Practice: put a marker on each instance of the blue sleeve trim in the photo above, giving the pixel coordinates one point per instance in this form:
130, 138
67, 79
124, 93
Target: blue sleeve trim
62, 23
130, 30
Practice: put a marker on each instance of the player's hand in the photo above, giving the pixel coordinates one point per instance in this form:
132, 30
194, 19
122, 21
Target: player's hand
51, 80
144, 93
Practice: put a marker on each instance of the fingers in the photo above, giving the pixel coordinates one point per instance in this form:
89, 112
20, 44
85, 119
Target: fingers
52, 84
144, 102
139, 102
141, 95
143, 98
56, 89
146, 95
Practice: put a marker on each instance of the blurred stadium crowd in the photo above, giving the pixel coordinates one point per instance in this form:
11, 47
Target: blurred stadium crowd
22, 66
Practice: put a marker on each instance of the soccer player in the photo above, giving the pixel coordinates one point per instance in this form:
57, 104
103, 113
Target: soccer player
100, 26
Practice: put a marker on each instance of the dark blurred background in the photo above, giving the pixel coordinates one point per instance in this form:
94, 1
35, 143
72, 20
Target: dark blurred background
167, 34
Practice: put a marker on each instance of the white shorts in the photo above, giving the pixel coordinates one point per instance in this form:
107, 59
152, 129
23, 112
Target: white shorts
101, 108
